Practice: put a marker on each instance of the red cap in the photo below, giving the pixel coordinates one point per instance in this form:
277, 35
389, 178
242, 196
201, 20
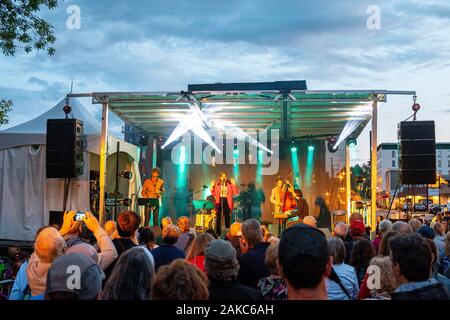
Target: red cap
357, 228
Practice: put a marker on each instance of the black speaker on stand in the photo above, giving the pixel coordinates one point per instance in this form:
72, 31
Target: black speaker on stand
64, 150
417, 152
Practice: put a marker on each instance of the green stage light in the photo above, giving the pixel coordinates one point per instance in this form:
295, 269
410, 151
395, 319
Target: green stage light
310, 147
260, 152
351, 142
236, 153
294, 149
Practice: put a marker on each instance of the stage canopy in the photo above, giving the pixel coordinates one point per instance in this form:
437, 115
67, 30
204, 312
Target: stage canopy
297, 114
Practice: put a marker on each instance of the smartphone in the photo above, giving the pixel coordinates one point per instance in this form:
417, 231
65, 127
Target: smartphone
80, 215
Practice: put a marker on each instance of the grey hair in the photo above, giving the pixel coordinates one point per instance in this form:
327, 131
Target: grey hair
252, 232
402, 227
385, 226
336, 249
341, 229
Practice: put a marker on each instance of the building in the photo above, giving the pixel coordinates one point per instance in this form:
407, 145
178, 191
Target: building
389, 173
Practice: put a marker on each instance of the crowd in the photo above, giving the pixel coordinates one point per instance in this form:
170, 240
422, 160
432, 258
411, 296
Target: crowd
123, 261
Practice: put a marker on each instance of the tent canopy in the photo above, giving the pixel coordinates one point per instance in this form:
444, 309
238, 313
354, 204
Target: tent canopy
33, 132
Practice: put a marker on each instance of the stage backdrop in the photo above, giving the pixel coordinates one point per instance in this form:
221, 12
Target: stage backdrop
185, 183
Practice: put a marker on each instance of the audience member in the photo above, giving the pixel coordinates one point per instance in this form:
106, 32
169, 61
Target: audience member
111, 229
341, 231
310, 221
196, 252
385, 249
252, 265
304, 262
69, 230
167, 252
362, 253
383, 227
186, 237
342, 283
434, 266
131, 277
234, 236
444, 265
272, 287
164, 222
387, 282
127, 226
357, 230
402, 227
411, 262
146, 238
222, 269
426, 232
59, 277
179, 280
48, 246
414, 224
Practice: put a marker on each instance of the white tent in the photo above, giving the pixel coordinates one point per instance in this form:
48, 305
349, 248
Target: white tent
27, 196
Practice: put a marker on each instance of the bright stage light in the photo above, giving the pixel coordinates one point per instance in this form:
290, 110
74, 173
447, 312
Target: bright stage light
310, 147
236, 153
294, 149
351, 142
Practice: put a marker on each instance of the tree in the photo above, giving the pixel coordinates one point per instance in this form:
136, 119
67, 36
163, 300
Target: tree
5, 107
20, 27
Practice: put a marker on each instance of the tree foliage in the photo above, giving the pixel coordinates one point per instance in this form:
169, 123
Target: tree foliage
5, 107
21, 28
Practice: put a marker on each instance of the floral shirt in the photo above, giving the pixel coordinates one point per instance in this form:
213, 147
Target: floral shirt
272, 288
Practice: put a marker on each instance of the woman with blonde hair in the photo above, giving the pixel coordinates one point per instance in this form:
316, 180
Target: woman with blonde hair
384, 283
196, 252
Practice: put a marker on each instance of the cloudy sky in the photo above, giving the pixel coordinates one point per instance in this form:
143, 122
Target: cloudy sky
164, 45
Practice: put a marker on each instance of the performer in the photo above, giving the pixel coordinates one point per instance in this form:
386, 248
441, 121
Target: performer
277, 196
223, 191
153, 190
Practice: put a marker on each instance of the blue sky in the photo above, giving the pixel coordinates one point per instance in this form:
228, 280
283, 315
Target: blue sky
164, 45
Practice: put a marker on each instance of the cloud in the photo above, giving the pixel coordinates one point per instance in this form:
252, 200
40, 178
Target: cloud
164, 45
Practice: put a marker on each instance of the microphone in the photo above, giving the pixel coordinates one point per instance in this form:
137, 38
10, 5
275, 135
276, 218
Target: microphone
205, 186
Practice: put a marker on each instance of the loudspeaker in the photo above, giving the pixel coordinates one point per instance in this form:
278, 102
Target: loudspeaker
417, 152
64, 148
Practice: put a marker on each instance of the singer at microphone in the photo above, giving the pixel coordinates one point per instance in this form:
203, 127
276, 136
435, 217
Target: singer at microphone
223, 191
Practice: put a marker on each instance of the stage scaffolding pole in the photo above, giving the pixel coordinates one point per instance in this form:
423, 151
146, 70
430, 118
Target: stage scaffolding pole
103, 154
348, 189
373, 166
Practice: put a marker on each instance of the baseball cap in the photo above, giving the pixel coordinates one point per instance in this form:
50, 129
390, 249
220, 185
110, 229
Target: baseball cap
220, 251
357, 228
303, 240
61, 276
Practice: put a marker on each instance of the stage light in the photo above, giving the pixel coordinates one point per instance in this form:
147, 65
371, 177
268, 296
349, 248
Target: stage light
331, 145
351, 142
126, 174
235, 153
260, 152
310, 147
293, 149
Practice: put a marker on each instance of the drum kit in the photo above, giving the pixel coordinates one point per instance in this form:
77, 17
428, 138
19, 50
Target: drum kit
205, 218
